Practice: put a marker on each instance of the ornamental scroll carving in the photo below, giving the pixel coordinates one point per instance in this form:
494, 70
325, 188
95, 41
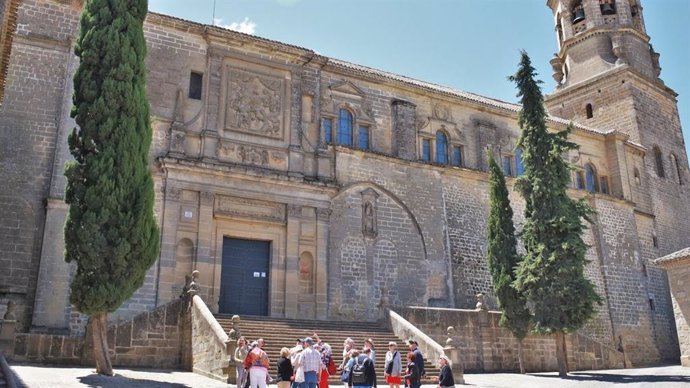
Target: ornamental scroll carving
254, 103
251, 209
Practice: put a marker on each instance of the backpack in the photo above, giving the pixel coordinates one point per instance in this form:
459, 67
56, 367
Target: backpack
358, 374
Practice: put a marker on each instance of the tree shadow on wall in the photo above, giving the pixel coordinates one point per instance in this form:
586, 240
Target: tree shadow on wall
118, 381
622, 379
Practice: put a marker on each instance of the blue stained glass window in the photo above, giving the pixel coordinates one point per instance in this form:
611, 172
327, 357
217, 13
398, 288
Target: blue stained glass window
441, 148
590, 178
426, 150
327, 125
345, 128
364, 138
507, 170
457, 156
519, 167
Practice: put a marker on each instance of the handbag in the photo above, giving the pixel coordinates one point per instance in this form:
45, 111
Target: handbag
345, 376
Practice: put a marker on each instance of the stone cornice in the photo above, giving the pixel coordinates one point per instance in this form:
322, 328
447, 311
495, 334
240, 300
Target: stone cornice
676, 259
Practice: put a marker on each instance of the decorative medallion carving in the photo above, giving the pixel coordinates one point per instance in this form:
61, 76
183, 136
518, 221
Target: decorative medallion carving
207, 198
252, 155
177, 138
254, 103
173, 193
442, 112
369, 228
251, 209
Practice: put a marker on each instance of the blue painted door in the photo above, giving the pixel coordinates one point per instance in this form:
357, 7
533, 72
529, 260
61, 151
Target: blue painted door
244, 277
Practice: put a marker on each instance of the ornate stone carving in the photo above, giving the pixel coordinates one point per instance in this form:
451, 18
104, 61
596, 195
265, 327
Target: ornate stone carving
481, 304
173, 193
9, 314
207, 198
369, 228
177, 138
294, 211
254, 103
249, 209
557, 67
252, 155
441, 112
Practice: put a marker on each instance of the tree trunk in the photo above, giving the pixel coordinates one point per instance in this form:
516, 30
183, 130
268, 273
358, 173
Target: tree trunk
561, 354
522, 366
100, 343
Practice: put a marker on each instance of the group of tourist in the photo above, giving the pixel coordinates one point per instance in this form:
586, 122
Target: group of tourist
310, 363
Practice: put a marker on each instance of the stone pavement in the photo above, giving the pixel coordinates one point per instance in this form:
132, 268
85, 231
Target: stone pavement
35, 376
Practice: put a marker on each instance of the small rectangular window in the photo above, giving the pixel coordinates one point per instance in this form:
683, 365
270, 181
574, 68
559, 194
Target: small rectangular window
195, 85
364, 138
604, 184
327, 125
507, 170
457, 156
651, 304
426, 150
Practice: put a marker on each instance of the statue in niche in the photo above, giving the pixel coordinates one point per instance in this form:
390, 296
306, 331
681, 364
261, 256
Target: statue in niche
369, 224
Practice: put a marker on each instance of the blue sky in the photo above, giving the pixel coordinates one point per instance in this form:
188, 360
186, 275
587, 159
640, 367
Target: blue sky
470, 45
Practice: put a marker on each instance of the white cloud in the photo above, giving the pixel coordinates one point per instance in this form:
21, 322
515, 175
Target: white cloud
246, 26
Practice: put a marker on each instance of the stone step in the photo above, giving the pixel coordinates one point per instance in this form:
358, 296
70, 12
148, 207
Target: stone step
281, 332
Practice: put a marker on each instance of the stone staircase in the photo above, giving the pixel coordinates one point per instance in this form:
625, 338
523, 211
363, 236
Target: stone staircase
280, 332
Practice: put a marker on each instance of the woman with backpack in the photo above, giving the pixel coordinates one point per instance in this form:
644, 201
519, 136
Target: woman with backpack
393, 366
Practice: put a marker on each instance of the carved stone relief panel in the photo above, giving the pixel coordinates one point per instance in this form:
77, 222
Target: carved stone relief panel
251, 154
251, 209
254, 103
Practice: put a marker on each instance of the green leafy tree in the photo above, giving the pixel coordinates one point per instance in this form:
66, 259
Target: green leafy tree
551, 274
503, 258
111, 232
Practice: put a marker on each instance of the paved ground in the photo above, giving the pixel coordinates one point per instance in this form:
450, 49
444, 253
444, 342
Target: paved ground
33, 376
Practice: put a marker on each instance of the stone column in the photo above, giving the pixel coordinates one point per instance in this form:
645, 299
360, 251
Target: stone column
213, 106
321, 260
404, 140
206, 261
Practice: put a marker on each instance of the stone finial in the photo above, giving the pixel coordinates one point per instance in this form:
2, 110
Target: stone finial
194, 286
449, 340
481, 305
557, 67
9, 314
234, 333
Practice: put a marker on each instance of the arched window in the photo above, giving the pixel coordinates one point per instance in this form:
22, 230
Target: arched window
608, 7
659, 160
441, 148
590, 178
589, 112
345, 127
578, 12
676, 168
519, 166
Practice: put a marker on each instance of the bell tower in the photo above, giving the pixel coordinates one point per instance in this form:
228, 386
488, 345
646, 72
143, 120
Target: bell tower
596, 35
608, 78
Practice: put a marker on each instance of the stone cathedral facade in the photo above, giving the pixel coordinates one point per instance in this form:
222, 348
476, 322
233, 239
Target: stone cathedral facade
305, 186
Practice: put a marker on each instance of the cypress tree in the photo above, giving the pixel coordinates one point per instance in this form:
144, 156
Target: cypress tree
503, 258
551, 274
111, 232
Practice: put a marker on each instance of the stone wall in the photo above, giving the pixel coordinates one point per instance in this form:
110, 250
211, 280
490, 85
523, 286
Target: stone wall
677, 265
486, 347
209, 350
152, 339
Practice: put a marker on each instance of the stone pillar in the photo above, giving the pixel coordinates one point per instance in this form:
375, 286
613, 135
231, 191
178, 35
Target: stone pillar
453, 353
233, 336
321, 259
294, 213
213, 106
677, 266
404, 140
52, 294
8, 327
205, 261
